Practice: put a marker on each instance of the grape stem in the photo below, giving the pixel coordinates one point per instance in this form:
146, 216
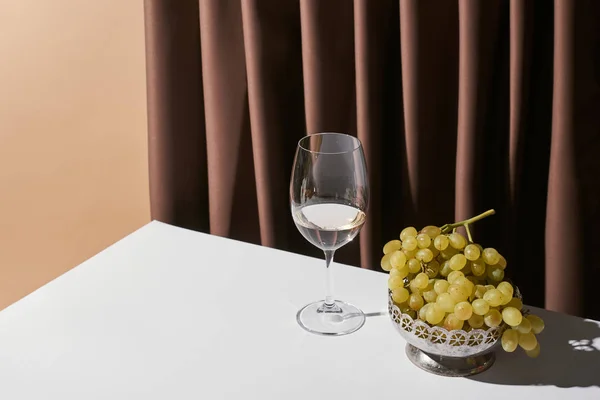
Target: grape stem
469, 233
466, 222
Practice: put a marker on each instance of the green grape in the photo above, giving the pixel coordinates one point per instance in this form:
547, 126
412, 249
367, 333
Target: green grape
527, 341
506, 289
510, 340
490, 287
516, 303
424, 255
430, 296
404, 308
535, 352
473, 279
414, 288
480, 291
414, 266
463, 310
537, 324
431, 231
446, 270
421, 280
457, 240
432, 269
399, 272
409, 253
395, 282
429, 285
490, 256
495, 274
472, 290
457, 262
502, 262
441, 242
400, 295
493, 318
454, 275
410, 243
463, 281
478, 267
505, 299
408, 232
480, 307
445, 302
441, 286
448, 253
385, 262
398, 259
472, 252
493, 297
435, 314
512, 316
458, 293
423, 312
467, 268
524, 326
423, 240
415, 301
392, 245
452, 322
476, 321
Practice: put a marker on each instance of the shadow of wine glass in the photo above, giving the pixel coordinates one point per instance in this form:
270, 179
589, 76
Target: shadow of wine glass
376, 314
570, 356
366, 315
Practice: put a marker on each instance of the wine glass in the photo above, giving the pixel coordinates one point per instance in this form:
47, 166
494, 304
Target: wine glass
329, 195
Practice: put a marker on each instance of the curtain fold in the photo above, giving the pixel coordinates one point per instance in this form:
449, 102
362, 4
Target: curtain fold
562, 186
429, 74
273, 102
461, 105
178, 171
371, 27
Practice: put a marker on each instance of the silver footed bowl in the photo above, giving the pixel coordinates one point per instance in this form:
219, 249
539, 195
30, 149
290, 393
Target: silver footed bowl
438, 341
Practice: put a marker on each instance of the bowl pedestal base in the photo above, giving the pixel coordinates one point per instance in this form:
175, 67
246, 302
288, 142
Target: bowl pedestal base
450, 366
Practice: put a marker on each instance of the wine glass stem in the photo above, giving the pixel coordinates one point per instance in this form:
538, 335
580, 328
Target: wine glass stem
329, 301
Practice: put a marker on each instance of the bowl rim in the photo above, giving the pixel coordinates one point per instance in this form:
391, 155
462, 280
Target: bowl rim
472, 347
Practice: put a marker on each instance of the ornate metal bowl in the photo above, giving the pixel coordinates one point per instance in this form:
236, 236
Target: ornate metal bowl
443, 352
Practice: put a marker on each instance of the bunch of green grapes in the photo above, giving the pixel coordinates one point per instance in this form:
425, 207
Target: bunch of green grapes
445, 279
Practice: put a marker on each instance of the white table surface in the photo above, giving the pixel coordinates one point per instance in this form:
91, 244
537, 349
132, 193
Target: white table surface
167, 313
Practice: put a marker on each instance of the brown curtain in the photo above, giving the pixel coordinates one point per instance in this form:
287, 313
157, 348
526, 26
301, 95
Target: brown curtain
462, 106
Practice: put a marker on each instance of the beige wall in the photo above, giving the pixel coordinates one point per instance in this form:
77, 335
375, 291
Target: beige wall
73, 150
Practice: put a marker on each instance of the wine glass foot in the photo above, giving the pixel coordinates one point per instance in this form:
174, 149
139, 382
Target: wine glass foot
341, 319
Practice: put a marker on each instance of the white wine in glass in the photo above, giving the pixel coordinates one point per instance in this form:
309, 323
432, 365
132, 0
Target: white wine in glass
329, 195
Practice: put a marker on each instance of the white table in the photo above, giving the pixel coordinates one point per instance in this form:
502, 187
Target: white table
168, 313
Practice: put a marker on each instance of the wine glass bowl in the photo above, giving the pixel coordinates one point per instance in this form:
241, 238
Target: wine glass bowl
329, 196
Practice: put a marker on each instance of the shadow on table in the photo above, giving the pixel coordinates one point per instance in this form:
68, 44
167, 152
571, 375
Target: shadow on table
367, 314
376, 314
570, 357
